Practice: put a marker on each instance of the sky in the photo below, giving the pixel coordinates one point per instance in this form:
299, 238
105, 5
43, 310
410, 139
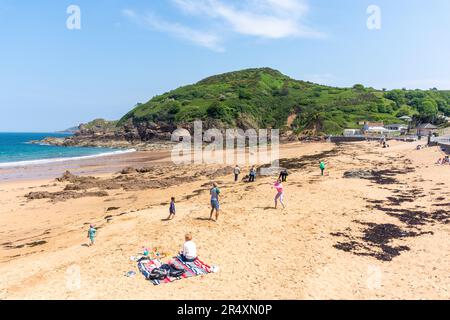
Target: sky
54, 76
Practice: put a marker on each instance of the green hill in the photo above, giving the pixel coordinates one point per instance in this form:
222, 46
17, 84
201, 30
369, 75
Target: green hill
264, 98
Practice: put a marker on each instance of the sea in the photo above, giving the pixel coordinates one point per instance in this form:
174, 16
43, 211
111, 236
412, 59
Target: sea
16, 150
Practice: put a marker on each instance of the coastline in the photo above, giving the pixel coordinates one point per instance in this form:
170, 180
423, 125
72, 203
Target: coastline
89, 165
48, 161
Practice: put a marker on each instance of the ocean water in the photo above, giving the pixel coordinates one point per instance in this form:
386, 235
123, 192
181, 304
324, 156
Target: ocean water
15, 150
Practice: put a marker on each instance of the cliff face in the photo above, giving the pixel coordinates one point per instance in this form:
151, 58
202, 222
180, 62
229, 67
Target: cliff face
103, 133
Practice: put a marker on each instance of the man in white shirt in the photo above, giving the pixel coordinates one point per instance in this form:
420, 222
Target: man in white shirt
237, 172
189, 253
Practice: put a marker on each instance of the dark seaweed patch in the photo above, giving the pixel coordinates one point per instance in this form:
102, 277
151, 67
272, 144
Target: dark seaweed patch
375, 241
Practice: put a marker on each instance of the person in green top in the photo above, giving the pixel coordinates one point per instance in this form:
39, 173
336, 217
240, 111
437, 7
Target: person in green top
322, 167
92, 232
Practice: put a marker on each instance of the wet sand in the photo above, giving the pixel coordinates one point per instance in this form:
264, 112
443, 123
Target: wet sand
92, 166
382, 236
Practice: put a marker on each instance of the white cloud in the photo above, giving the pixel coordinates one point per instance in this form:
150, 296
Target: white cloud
205, 39
267, 19
273, 19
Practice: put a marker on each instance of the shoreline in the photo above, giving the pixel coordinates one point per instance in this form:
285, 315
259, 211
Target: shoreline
90, 165
48, 161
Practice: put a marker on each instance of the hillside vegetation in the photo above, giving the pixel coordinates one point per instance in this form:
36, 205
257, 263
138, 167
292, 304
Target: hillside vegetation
265, 98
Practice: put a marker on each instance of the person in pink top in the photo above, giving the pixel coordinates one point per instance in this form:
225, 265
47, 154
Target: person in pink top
280, 193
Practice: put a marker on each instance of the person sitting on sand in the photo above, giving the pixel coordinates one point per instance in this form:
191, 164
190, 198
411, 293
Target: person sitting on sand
92, 232
215, 204
189, 253
446, 160
172, 210
322, 167
280, 193
252, 174
237, 172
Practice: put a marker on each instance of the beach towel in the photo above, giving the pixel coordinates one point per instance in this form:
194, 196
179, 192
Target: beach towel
195, 268
192, 269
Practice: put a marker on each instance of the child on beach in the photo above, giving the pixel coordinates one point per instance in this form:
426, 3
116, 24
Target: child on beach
172, 210
280, 193
92, 232
189, 252
322, 167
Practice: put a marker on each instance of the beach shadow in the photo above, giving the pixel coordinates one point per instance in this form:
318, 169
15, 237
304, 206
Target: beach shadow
266, 208
166, 220
85, 245
203, 219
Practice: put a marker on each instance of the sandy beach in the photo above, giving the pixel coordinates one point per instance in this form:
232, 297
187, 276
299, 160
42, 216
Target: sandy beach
382, 236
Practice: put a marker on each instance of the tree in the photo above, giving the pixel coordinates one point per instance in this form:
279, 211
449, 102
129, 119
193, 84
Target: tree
428, 108
216, 111
358, 87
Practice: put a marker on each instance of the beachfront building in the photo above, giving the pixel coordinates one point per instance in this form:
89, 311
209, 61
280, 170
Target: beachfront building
401, 128
367, 126
426, 129
406, 118
352, 132
374, 128
377, 131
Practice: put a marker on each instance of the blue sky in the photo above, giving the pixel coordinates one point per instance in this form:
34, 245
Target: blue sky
127, 51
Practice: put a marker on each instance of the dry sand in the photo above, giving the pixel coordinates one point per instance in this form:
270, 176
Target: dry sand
383, 238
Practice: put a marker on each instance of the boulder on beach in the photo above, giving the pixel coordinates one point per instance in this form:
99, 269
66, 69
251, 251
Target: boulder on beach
359, 174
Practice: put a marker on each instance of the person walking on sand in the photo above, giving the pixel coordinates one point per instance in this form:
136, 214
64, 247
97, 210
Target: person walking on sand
283, 175
252, 174
280, 193
92, 232
172, 210
189, 252
237, 172
215, 204
322, 167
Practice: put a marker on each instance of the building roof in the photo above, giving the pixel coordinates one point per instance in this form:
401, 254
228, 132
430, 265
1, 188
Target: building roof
427, 126
377, 129
397, 125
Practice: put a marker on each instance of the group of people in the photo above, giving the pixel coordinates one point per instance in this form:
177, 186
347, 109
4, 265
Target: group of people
443, 161
251, 174
189, 249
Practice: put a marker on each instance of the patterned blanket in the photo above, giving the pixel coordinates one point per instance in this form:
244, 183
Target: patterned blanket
192, 269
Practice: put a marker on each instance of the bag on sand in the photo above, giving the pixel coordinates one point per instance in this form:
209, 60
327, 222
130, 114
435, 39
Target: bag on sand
173, 270
158, 274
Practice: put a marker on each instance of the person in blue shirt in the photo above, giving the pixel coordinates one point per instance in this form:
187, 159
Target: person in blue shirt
92, 232
172, 210
215, 205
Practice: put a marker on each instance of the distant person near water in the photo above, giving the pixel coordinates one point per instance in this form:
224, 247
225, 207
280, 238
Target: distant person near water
189, 252
172, 210
237, 172
92, 233
215, 204
322, 167
283, 175
252, 174
280, 193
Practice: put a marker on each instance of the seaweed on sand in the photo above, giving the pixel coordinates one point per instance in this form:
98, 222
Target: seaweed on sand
375, 241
